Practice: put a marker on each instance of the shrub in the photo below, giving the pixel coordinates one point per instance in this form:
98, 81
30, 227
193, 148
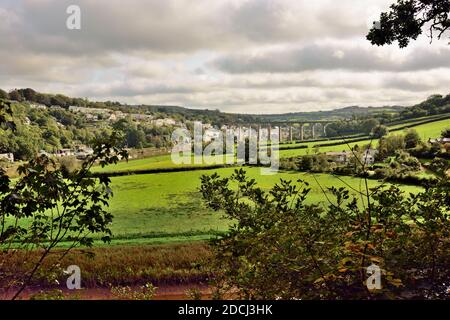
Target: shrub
282, 248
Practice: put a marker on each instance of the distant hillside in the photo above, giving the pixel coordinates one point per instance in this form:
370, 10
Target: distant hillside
336, 114
435, 104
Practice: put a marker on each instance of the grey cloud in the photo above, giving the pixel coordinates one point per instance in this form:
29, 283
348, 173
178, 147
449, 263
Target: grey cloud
319, 57
118, 26
412, 85
130, 90
156, 51
173, 26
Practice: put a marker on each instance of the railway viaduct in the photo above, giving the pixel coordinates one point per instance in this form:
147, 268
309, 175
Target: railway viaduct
290, 130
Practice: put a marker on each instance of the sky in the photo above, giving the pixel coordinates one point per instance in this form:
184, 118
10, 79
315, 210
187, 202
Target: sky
243, 56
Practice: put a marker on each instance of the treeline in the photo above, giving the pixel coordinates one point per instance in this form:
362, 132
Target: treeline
434, 105
30, 95
215, 117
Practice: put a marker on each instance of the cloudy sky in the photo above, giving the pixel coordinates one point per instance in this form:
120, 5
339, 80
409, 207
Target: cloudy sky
250, 56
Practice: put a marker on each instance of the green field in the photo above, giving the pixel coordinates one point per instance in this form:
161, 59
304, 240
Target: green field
166, 207
426, 131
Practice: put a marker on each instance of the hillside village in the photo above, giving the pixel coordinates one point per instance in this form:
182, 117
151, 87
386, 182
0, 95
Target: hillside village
67, 129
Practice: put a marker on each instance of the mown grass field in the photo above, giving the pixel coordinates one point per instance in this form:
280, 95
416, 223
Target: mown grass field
167, 207
426, 131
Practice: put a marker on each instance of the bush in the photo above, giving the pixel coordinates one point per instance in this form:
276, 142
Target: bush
379, 131
412, 139
69, 164
282, 248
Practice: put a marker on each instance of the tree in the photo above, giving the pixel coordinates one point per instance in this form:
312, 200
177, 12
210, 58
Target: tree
280, 247
4, 94
379, 131
134, 136
368, 125
407, 161
60, 100
445, 133
412, 139
408, 18
44, 99
48, 205
389, 145
63, 116
28, 94
15, 95
306, 163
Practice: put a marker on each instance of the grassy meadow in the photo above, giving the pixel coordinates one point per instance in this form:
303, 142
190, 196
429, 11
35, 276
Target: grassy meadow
425, 131
167, 207
164, 208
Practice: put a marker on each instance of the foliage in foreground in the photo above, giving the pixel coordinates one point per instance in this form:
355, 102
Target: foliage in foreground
408, 18
279, 247
48, 205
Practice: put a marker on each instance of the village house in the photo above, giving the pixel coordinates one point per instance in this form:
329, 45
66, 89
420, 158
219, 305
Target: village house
164, 122
211, 134
439, 140
38, 106
86, 110
339, 157
82, 152
7, 156
64, 152
112, 117
43, 153
368, 156
91, 117
141, 117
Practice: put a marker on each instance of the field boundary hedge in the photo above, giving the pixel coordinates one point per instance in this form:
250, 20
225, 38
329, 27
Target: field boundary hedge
420, 123
161, 170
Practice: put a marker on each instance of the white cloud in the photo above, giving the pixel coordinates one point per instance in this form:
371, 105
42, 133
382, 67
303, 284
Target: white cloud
236, 55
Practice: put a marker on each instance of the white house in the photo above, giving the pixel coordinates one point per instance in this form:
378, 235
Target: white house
37, 106
439, 140
83, 152
339, 157
164, 122
368, 156
7, 156
64, 152
212, 134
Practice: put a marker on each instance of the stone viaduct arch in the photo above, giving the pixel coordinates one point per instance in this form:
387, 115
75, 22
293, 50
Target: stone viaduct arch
291, 130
